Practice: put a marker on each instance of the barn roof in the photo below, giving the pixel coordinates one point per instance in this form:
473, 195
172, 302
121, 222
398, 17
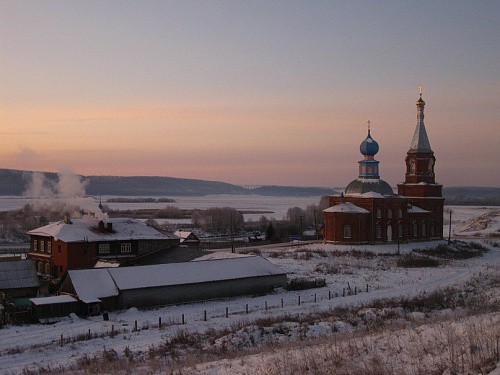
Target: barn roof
98, 283
18, 274
79, 230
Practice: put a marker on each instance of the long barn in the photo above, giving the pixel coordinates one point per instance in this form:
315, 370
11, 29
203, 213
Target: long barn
164, 284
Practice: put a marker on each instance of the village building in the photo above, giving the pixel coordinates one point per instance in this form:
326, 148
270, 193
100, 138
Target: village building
188, 238
81, 243
369, 211
141, 286
18, 279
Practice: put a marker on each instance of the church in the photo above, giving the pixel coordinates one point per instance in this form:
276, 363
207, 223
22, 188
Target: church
369, 212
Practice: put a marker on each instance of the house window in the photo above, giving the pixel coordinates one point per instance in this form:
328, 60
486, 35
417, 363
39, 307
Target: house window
47, 268
400, 230
379, 214
58, 249
42, 246
415, 229
49, 247
400, 213
423, 228
347, 231
126, 247
104, 248
378, 231
35, 245
389, 213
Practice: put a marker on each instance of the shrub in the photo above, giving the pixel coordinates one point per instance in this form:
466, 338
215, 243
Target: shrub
413, 261
303, 283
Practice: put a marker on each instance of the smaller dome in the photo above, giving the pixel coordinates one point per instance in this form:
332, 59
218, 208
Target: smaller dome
362, 186
369, 147
420, 102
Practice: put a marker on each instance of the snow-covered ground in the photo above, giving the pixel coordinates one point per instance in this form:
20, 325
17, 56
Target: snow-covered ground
345, 270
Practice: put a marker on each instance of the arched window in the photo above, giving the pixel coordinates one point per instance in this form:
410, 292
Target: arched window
40, 267
423, 229
389, 213
415, 229
413, 166
378, 231
347, 231
400, 213
400, 230
379, 214
433, 231
431, 166
47, 268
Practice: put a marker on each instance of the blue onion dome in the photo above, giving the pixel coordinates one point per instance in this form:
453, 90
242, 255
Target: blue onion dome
369, 147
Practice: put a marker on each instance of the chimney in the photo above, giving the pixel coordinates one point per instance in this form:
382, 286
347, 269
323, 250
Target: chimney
100, 226
109, 227
67, 219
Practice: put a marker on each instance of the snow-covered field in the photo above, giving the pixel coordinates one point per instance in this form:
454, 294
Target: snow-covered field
353, 278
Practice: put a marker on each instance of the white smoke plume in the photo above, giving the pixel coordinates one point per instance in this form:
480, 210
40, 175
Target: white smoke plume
68, 191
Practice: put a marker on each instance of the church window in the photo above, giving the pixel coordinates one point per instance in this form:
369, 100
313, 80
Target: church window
413, 166
363, 169
47, 268
35, 245
400, 213
378, 231
400, 230
432, 224
40, 267
415, 229
347, 231
42, 246
49, 247
431, 166
423, 228
389, 213
379, 214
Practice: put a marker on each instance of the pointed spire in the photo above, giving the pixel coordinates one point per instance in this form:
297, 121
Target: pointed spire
420, 141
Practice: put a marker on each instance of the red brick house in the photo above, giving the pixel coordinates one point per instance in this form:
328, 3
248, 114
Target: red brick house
80, 243
368, 211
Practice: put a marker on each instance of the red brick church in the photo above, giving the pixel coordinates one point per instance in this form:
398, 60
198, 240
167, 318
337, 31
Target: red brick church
369, 212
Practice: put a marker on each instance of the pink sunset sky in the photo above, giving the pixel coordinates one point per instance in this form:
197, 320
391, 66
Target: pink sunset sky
248, 92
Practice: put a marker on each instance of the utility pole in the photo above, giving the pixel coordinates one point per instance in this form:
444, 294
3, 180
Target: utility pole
315, 225
232, 232
449, 230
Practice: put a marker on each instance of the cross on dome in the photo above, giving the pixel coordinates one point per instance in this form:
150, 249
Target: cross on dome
420, 87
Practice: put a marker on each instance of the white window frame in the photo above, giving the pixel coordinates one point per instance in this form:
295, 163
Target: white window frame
378, 231
347, 231
49, 247
35, 245
126, 248
42, 246
103, 248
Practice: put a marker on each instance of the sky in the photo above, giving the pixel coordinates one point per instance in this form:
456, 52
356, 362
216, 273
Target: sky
249, 92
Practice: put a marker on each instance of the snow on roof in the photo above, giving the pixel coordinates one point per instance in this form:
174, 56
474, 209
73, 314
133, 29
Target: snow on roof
182, 233
52, 300
416, 210
80, 230
347, 207
18, 274
372, 194
103, 263
92, 284
220, 255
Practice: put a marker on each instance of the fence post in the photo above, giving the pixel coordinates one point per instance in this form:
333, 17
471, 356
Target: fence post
62, 340
299, 300
112, 330
329, 294
246, 308
227, 312
266, 305
205, 315
183, 321
89, 335
159, 322
282, 303
135, 326
314, 297
366, 288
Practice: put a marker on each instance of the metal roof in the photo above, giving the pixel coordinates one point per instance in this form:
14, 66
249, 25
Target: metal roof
18, 274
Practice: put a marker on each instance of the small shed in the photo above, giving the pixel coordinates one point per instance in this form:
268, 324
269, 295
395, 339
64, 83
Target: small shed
18, 278
187, 238
52, 307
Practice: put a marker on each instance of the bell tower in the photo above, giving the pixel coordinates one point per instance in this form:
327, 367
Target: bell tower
420, 185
